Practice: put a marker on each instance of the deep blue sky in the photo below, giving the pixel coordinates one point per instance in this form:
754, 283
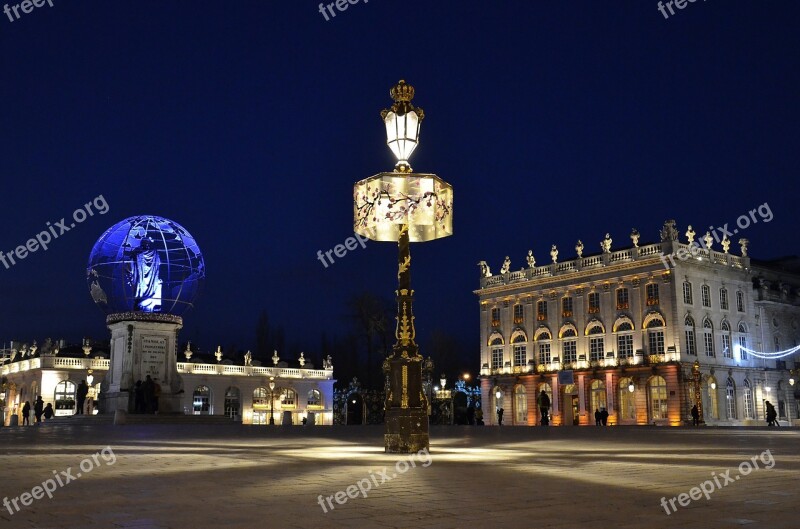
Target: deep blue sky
249, 121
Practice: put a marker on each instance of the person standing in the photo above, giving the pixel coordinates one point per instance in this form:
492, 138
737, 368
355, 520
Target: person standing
38, 409
148, 394
499, 416
604, 417
26, 414
695, 416
544, 408
597, 418
83, 390
48, 411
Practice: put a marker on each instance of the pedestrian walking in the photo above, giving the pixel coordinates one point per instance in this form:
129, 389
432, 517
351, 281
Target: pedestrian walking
48, 411
772, 415
604, 417
597, 418
500, 416
695, 416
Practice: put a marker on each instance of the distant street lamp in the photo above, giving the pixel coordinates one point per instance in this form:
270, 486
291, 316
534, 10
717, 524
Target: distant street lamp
271, 401
404, 207
443, 380
631, 387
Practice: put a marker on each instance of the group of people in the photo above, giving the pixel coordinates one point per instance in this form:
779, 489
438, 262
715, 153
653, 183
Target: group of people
39, 410
601, 417
474, 415
145, 396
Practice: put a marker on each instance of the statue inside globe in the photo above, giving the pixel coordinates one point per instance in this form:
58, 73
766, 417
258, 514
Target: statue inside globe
143, 276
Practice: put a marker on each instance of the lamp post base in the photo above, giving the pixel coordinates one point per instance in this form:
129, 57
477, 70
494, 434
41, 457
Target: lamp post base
406, 430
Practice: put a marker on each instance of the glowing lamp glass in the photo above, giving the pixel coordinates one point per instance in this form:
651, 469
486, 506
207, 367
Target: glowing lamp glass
498, 394
631, 387
402, 134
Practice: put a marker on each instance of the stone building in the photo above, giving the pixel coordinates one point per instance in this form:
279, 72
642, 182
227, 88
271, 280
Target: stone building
645, 332
240, 392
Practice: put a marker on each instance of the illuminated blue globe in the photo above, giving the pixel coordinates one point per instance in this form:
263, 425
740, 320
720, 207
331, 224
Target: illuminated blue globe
145, 264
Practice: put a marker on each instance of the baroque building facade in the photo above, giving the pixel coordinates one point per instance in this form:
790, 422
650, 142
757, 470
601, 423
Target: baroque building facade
243, 393
644, 332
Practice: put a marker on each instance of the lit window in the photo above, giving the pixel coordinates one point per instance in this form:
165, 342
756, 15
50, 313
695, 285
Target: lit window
691, 345
495, 317
749, 408
625, 345
566, 307
658, 398
520, 405
596, 348
622, 299
598, 395
652, 294
314, 398
497, 358
541, 311
544, 353
519, 314
708, 337
570, 351
594, 303
730, 397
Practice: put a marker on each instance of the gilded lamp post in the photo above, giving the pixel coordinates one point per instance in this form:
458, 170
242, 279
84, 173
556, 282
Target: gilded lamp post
404, 207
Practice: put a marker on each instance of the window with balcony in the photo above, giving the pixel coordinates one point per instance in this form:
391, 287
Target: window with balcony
519, 314
687, 293
652, 294
541, 311
705, 294
622, 299
495, 317
594, 302
566, 307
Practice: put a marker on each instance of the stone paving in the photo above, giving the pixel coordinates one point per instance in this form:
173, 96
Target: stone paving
209, 476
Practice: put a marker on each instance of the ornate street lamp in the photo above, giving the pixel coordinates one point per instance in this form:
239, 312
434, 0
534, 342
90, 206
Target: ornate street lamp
271, 401
404, 207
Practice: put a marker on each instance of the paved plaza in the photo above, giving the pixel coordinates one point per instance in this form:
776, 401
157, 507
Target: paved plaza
204, 476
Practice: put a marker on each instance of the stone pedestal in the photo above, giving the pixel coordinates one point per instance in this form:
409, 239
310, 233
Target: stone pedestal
142, 344
406, 418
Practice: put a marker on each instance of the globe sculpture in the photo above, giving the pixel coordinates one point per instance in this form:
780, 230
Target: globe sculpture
145, 264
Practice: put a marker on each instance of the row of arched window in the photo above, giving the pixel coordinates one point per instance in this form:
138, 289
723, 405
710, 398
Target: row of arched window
623, 329
708, 341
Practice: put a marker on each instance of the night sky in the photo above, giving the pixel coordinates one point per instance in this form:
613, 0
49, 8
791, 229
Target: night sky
249, 121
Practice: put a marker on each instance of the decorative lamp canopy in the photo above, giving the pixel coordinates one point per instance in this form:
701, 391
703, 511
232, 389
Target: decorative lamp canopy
402, 122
